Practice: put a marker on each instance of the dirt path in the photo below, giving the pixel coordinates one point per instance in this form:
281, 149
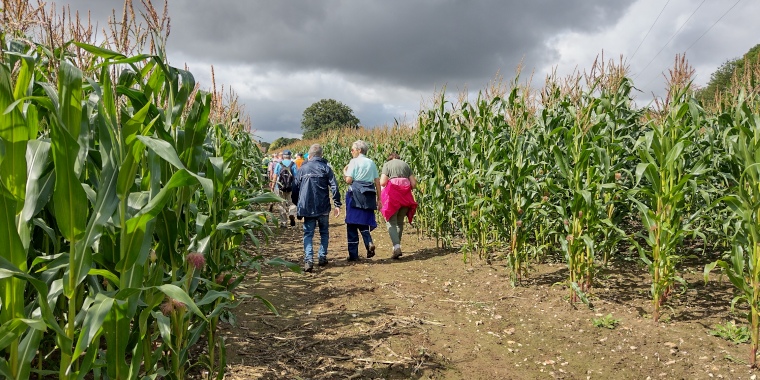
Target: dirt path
430, 316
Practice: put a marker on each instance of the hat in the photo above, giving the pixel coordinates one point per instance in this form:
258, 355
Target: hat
286, 153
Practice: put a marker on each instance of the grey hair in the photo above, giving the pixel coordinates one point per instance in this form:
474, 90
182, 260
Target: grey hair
315, 151
361, 145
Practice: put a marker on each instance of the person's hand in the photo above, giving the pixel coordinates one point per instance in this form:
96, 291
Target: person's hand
337, 211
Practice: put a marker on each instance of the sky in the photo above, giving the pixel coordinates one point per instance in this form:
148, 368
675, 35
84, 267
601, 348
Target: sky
386, 59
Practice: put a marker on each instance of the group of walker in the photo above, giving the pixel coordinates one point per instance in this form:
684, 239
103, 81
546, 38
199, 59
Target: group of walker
308, 197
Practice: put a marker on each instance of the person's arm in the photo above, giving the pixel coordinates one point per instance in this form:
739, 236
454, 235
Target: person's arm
413, 181
377, 191
270, 172
295, 190
347, 174
335, 191
383, 180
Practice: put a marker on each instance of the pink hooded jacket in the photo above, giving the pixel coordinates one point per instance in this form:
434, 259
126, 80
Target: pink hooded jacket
395, 195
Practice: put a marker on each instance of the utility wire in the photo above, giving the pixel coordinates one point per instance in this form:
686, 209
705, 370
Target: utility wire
649, 31
703, 34
711, 26
671, 39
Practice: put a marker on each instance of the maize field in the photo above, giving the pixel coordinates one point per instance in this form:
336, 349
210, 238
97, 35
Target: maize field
126, 194
576, 172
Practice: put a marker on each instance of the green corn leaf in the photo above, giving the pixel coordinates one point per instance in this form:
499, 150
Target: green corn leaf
164, 150
117, 332
132, 151
5, 369
104, 273
8, 270
99, 51
27, 351
12, 251
14, 134
196, 129
222, 346
70, 96
674, 154
12, 329
268, 304
39, 185
93, 321
70, 200
214, 295
12, 125
178, 294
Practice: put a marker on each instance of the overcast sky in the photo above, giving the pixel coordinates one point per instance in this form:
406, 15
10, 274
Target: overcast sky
384, 58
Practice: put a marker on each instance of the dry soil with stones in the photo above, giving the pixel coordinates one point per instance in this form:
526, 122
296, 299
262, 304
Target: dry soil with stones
430, 315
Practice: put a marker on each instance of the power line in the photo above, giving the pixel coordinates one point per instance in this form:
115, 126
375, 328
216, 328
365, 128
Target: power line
703, 34
711, 26
649, 31
671, 39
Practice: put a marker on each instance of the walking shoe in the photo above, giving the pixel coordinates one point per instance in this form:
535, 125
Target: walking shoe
322, 262
396, 253
371, 251
352, 259
309, 267
292, 221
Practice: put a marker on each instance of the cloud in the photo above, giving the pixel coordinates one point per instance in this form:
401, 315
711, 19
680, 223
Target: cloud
385, 58
705, 48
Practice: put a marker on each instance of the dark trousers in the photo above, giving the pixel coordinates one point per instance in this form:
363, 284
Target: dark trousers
352, 232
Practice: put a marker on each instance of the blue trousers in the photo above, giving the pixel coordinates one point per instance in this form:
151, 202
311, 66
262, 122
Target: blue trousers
309, 225
352, 232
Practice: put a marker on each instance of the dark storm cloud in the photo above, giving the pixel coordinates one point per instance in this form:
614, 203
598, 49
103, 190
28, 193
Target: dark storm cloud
410, 43
382, 57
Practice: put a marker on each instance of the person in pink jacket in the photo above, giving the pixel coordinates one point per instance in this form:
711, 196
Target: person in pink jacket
397, 199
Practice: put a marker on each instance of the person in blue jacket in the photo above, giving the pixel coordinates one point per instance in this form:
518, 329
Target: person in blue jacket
312, 189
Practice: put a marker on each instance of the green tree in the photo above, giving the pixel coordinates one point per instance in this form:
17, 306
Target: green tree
280, 142
721, 79
325, 115
264, 146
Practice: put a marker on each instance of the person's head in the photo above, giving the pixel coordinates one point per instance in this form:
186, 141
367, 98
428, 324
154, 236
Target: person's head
279, 155
359, 146
393, 156
286, 154
315, 151
299, 155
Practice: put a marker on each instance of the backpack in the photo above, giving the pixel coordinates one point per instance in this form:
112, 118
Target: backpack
285, 179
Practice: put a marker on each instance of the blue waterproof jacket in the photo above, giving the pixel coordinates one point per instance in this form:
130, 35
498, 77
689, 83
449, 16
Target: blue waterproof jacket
364, 195
312, 188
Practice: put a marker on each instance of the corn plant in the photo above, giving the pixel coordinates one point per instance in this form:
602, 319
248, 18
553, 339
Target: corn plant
741, 265
585, 174
436, 165
116, 216
664, 179
517, 197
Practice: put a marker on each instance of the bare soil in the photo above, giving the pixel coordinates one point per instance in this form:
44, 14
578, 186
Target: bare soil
430, 315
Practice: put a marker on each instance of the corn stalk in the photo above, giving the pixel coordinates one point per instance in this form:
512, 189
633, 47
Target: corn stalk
665, 176
742, 265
